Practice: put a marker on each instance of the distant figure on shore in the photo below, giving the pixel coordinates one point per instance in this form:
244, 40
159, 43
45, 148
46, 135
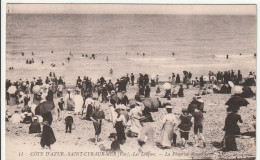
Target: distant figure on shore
51, 51
143, 54
27, 61
42, 62
50, 74
22, 54
240, 54
255, 54
32, 60
173, 53
62, 63
93, 56
68, 58
125, 52
227, 56
111, 71
137, 53
86, 55
32, 54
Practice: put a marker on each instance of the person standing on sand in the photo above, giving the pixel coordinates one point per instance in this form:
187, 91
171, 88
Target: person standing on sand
68, 122
231, 129
147, 91
97, 117
157, 79
120, 123
185, 126
111, 71
198, 126
132, 78
168, 130
48, 136
178, 80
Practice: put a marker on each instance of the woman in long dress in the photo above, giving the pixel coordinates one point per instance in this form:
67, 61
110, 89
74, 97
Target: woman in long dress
133, 122
120, 123
168, 134
232, 129
48, 137
78, 99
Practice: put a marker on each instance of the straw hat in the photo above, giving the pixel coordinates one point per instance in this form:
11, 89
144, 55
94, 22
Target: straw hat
184, 110
35, 118
169, 107
113, 92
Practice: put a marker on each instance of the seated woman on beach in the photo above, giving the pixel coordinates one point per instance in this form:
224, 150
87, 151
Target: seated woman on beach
16, 118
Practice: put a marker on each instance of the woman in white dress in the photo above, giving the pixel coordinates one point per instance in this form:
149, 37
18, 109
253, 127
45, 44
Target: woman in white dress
169, 123
78, 99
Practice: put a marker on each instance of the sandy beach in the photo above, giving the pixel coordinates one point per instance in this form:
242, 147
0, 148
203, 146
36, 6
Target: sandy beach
82, 136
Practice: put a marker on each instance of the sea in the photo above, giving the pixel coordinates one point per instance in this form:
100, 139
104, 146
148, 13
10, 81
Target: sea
128, 44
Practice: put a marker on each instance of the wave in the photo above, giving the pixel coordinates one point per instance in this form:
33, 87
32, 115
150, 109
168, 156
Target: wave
151, 60
234, 55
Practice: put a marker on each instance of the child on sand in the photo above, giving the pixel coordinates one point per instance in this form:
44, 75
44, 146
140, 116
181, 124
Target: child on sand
185, 126
68, 122
198, 126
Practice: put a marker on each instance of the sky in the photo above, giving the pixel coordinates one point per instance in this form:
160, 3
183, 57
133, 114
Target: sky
129, 9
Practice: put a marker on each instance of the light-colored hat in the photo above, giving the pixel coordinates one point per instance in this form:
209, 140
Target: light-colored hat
25, 113
169, 106
112, 92
35, 117
200, 100
123, 107
118, 107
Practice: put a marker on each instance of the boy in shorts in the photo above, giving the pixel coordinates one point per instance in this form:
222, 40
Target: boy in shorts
198, 126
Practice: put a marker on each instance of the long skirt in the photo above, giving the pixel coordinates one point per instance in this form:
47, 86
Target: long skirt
230, 143
89, 112
120, 131
167, 134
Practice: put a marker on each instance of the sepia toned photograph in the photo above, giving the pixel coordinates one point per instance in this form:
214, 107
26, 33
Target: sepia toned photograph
130, 81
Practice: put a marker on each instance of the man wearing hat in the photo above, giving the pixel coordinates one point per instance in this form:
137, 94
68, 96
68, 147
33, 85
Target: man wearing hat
198, 103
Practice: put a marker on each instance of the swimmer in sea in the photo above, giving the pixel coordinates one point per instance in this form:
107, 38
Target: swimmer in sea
107, 58
27, 61
32, 60
125, 52
86, 55
51, 51
32, 53
227, 56
42, 62
143, 54
173, 53
22, 54
62, 63
137, 53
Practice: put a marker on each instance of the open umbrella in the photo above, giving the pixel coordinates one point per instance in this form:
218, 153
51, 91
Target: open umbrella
44, 107
237, 90
147, 103
231, 84
120, 95
36, 89
11, 90
206, 78
153, 76
236, 101
167, 86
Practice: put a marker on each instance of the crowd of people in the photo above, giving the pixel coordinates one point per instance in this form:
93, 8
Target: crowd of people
130, 118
